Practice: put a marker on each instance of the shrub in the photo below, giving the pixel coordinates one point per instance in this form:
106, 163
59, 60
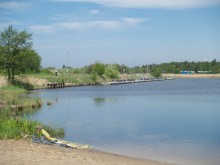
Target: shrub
156, 72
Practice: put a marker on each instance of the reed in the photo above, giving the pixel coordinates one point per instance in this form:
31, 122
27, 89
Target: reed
15, 126
12, 96
13, 107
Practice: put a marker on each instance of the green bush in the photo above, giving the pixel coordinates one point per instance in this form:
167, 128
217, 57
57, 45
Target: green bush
46, 71
94, 77
156, 72
99, 68
112, 73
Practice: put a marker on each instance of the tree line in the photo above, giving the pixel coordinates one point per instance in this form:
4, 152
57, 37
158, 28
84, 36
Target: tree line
177, 67
157, 69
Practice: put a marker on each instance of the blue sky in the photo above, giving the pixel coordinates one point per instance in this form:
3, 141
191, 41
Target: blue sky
131, 32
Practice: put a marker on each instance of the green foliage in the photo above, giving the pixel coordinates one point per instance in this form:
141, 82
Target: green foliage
156, 72
29, 62
16, 55
10, 96
176, 67
11, 128
13, 124
18, 127
46, 71
112, 72
98, 68
94, 77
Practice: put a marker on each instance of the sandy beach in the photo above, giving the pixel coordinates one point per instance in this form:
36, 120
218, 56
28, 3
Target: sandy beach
191, 75
26, 152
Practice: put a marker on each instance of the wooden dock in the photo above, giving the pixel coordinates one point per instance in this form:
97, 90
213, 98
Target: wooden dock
52, 85
130, 81
55, 85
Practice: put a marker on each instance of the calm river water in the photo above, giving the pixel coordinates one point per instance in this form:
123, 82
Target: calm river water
174, 121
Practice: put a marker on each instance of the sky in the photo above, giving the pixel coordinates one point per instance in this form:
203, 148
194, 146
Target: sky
131, 32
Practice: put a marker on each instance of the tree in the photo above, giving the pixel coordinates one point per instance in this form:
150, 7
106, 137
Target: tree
112, 72
29, 62
214, 63
156, 72
98, 68
16, 54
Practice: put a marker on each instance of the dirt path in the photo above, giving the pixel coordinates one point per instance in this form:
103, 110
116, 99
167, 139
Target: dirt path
26, 152
3, 81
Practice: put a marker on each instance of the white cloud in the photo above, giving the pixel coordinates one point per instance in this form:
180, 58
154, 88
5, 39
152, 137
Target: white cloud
134, 21
87, 25
14, 5
173, 4
42, 28
70, 25
94, 12
117, 24
102, 24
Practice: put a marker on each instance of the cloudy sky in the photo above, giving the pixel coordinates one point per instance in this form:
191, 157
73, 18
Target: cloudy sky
80, 32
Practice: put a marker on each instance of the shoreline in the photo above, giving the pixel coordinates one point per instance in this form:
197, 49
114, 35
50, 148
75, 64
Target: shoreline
27, 152
191, 75
42, 83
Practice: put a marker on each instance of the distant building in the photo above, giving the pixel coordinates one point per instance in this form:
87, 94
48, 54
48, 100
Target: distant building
204, 72
193, 72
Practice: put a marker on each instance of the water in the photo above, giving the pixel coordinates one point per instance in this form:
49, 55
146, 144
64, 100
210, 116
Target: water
172, 121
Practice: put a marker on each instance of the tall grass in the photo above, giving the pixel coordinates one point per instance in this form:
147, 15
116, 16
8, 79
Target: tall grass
12, 108
12, 95
11, 128
9, 89
15, 126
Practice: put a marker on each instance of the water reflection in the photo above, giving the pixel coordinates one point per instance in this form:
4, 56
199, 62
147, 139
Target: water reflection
101, 101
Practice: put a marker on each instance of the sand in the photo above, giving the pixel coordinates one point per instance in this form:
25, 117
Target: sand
29, 80
191, 75
26, 152
3, 81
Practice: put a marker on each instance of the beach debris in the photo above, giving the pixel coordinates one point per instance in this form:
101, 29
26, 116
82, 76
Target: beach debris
42, 136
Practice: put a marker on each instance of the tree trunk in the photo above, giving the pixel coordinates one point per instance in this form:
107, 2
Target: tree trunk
9, 75
13, 76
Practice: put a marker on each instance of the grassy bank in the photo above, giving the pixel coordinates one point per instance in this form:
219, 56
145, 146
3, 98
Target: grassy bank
82, 78
17, 127
13, 107
11, 97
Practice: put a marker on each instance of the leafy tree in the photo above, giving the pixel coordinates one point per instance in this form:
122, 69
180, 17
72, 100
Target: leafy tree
214, 63
156, 72
112, 72
94, 76
16, 54
98, 68
30, 61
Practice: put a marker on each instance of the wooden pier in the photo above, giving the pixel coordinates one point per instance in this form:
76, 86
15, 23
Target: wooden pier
141, 80
55, 85
51, 85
